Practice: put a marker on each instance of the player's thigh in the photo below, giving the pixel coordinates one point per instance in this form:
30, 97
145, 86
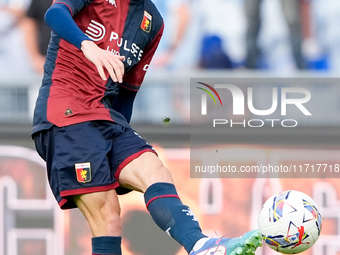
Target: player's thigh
135, 163
144, 171
101, 210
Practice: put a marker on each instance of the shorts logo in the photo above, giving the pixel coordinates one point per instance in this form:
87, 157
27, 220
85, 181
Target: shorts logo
83, 171
146, 22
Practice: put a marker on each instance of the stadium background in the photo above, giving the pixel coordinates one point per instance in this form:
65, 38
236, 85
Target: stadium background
30, 220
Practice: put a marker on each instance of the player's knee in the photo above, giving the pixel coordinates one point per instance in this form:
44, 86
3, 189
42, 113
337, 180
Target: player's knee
158, 173
102, 211
164, 175
141, 180
144, 171
108, 218
113, 223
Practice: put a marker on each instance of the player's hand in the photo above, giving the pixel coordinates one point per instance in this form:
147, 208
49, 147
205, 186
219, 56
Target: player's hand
103, 58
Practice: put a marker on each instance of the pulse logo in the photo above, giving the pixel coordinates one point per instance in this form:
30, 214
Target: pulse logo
239, 100
204, 97
95, 31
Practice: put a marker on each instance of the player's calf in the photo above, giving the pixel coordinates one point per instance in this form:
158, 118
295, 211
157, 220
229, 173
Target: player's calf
168, 212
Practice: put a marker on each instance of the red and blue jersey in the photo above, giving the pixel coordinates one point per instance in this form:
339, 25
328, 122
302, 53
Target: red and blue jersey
72, 90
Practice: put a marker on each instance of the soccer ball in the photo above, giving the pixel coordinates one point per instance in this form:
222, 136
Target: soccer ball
290, 222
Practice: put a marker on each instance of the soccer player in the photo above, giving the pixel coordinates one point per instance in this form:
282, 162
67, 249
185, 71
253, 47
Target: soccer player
96, 61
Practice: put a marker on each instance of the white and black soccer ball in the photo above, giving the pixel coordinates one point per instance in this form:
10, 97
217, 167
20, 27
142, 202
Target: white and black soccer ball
290, 222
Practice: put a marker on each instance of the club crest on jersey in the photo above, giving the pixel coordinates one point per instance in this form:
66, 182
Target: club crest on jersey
83, 171
146, 22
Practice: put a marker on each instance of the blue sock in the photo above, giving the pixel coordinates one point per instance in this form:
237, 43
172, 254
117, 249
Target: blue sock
171, 215
106, 245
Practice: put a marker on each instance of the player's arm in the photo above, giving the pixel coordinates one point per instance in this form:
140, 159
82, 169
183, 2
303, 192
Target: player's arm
59, 18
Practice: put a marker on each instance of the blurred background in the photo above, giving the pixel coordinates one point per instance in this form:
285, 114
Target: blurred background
287, 42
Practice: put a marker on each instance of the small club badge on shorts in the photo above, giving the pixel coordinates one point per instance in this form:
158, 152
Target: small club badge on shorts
83, 171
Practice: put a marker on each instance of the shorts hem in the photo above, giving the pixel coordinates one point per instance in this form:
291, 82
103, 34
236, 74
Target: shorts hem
62, 203
67, 193
129, 159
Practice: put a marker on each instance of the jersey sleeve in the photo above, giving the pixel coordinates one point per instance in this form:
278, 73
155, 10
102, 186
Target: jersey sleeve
134, 78
74, 6
59, 18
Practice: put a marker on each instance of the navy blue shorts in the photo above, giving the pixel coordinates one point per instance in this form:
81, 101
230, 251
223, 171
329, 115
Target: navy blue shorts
87, 157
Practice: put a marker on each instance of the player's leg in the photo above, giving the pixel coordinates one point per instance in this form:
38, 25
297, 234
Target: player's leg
88, 185
102, 212
147, 174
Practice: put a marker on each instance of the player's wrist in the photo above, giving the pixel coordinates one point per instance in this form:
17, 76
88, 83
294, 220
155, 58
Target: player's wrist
85, 44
